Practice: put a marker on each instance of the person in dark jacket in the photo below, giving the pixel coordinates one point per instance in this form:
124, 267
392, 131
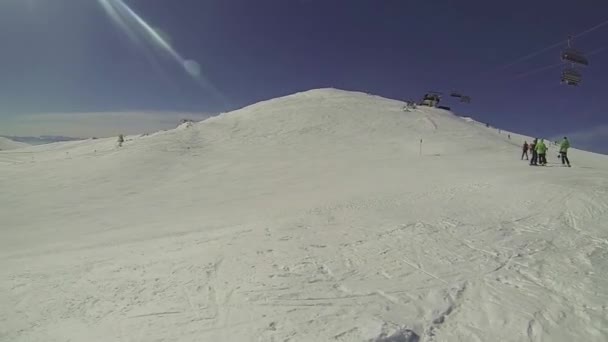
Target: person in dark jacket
534, 159
525, 150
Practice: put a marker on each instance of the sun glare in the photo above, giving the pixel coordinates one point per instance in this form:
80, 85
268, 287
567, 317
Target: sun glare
144, 35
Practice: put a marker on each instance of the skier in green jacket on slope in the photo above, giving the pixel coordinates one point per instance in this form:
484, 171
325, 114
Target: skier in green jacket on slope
541, 149
563, 151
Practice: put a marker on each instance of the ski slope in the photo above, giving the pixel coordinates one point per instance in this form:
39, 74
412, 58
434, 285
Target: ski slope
8, 144
313, 217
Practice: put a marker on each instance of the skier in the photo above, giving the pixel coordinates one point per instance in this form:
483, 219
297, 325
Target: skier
121, 139
534, 159
525, 151
563, 151
541, 150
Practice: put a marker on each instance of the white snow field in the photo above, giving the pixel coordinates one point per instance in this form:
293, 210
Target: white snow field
311, 217
8, 144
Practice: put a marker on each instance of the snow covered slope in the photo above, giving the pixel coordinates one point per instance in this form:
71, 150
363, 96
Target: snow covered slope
313, 217
8, 144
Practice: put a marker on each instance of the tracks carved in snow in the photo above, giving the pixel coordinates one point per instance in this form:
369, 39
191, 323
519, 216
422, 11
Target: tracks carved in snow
451, 301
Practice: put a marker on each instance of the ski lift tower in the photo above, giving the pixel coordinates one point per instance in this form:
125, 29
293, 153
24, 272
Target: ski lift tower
431, 99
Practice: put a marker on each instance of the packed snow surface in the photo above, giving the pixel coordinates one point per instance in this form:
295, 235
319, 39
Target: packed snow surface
8, 144
313, 217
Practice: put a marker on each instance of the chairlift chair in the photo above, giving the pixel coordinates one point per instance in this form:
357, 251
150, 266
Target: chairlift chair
574, 56
571, 77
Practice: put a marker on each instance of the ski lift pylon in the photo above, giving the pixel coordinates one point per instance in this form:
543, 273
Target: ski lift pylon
431, 99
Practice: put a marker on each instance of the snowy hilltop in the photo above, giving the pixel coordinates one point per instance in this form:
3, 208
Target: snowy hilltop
325, 215
8, 144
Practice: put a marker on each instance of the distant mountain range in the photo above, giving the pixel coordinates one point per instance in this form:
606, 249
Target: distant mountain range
43, 139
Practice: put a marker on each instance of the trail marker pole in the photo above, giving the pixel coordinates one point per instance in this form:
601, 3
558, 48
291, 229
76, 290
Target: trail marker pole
420, 148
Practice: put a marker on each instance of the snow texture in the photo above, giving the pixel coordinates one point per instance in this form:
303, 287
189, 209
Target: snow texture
8, 144
312, 217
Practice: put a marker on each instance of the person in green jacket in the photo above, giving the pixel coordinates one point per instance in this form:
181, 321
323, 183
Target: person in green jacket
541, 149
563, 151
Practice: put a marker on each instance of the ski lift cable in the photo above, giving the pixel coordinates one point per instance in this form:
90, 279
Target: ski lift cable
534, 54
536, 71
598, 26
596, 51
553, 46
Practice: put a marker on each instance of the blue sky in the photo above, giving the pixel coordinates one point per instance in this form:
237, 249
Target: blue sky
68, 56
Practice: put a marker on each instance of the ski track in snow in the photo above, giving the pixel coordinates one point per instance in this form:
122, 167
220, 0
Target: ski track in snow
305, 218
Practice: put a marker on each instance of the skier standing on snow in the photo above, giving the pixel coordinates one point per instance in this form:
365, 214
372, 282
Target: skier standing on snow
121, 139
563, 151
534, 159
525, 151
541, 150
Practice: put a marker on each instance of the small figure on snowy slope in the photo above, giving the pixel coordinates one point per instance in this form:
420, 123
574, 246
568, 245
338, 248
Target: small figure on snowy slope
121, 139
541, 150
525, 150
563, 151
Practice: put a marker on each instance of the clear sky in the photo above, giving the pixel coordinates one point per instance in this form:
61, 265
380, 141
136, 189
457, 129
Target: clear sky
70, 56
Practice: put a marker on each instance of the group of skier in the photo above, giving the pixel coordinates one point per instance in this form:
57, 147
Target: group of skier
539, 152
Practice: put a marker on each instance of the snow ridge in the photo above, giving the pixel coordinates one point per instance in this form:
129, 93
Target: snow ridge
325, 215
8, 144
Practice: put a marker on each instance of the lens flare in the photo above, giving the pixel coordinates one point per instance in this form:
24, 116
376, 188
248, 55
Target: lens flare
193, 68
140, 33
